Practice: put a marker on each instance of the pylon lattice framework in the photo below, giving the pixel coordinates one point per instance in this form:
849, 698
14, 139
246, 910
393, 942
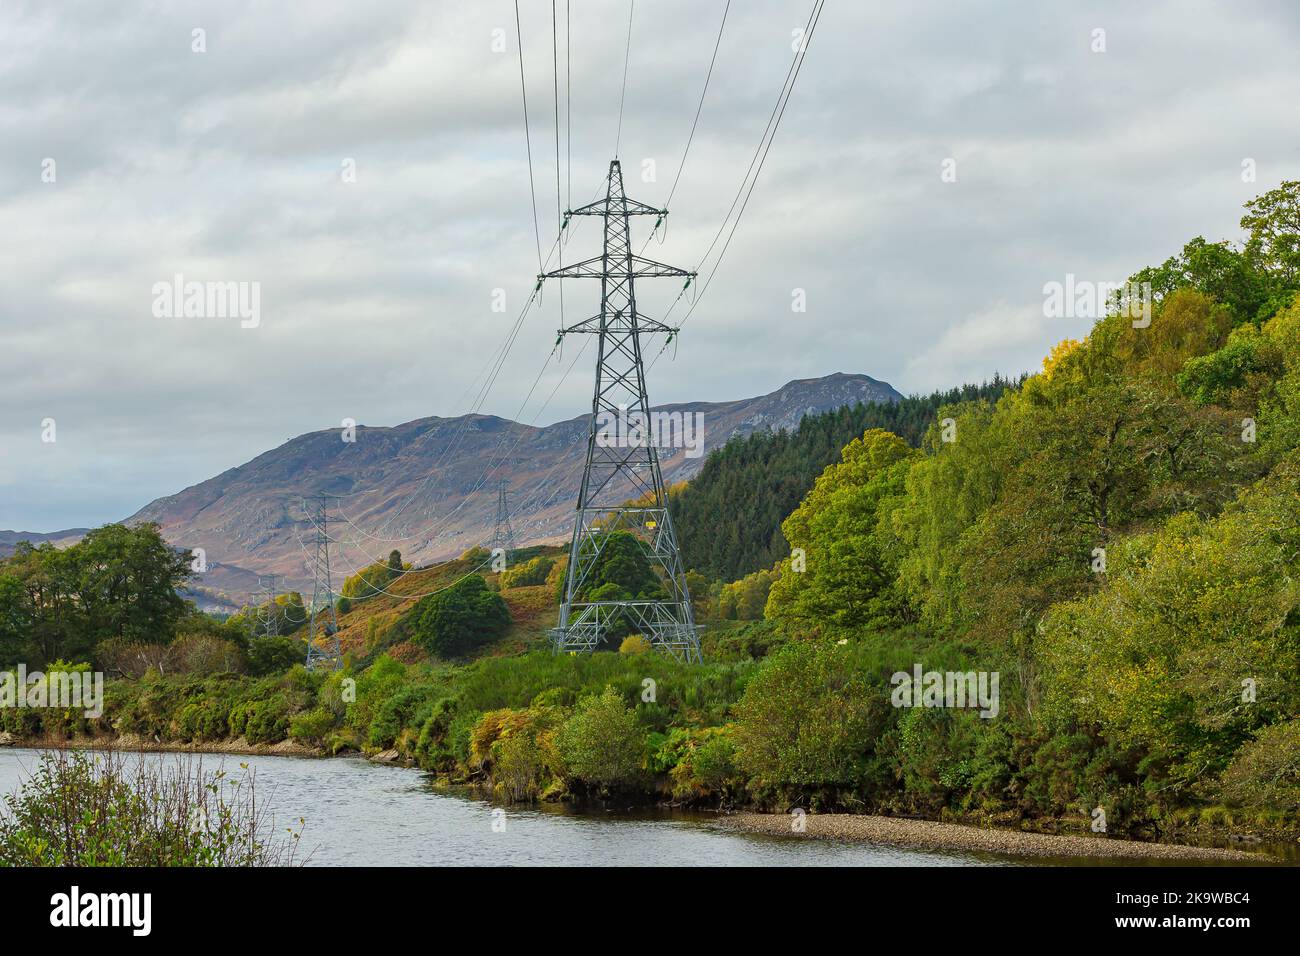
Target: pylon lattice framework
322, 595
503, 537
602, 509
269, 591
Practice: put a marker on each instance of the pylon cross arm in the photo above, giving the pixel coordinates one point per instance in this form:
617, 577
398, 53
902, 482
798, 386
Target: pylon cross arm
645, 325
637, 267
586, 269
642, 267
617, 207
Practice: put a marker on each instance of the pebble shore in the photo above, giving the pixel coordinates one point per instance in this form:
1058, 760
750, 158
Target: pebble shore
932, 835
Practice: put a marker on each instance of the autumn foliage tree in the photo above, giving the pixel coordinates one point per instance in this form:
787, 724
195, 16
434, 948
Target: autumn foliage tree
843, 575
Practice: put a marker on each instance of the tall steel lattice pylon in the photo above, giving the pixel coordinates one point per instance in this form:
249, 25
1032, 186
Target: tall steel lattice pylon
603, 510
504, 536
324, 617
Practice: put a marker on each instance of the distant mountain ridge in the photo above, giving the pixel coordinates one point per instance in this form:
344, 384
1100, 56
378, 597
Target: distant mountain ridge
428, 487
8, 539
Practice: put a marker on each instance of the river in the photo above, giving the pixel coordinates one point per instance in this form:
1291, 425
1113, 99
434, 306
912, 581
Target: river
360, 813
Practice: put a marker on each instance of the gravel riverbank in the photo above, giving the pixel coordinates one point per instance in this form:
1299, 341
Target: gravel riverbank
932, 835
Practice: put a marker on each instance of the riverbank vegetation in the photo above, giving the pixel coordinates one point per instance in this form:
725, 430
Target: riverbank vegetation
1116, 538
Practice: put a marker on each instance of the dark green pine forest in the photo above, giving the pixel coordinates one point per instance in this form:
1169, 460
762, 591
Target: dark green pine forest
728, 518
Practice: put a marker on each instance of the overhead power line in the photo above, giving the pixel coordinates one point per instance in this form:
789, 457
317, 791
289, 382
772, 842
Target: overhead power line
748, 182
406, 597
568, 104
496, 364
523, 89
627, 56
753, 182
696, 122
555, 81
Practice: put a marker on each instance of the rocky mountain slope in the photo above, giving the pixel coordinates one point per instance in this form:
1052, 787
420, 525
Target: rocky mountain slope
428, 487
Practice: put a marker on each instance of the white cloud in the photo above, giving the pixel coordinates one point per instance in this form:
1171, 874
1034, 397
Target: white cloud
999, 338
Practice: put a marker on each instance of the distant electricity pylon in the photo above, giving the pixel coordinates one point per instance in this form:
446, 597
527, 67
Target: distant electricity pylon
668, 623
504, 536
267, 588
322, 594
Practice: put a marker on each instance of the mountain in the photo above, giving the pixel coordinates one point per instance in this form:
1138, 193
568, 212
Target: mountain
428, 487
60, 539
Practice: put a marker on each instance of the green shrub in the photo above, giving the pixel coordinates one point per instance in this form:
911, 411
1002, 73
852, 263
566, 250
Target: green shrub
808, 719
203, 720
372, 579
602, 744
517, 749
936, 755
741, 641
395, 712
431, 749
531, 572
1266, 771
375, 684
312, 727
261, 721
271, 655
518, 768
700, 761
460, 619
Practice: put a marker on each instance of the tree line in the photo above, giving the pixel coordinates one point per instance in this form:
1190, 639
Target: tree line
1119, 537
116, 583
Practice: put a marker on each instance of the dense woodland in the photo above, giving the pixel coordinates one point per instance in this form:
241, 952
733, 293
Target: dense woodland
729, 516
1117, 537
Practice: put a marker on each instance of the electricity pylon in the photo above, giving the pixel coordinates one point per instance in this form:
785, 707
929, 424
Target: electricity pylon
322, 594
271, 624
668, 623
504, 536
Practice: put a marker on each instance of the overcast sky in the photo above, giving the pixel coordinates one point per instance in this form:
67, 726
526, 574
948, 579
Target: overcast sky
376, 295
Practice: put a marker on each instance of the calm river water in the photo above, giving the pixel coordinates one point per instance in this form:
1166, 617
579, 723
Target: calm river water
364, 814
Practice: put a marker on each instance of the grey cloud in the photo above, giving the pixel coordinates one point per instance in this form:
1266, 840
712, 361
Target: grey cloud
376, 295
